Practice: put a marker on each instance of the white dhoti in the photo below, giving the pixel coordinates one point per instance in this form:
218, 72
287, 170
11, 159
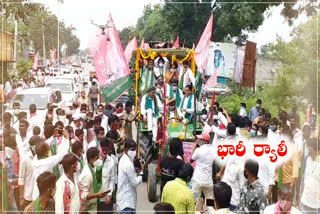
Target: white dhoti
152, 124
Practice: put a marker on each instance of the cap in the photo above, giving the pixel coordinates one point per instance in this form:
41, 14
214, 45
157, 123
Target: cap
204, 136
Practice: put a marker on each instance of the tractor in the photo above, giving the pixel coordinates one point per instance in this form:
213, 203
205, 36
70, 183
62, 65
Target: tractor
152, 152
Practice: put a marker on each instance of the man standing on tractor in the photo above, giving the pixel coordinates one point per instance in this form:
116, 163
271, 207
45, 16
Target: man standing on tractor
161, 66
187, 104
186, 76
150, 110
174, 94
147, 76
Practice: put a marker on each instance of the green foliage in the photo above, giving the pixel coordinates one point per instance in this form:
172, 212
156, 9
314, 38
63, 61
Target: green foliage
188, 18
23, 67
34, 19
297, 77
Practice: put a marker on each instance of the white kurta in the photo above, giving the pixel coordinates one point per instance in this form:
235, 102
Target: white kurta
47, 164
86, 188
61, 191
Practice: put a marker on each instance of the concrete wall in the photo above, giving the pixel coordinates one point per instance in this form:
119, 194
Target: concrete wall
266, 70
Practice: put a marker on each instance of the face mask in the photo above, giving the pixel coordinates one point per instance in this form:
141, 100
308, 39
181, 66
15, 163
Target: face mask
97, 163
285, 205
161, 65
132, 154
100, 113
273, 127
174, 88
253, 133
258, 105
172, 108
259, 133
204, 117
16, 112
9, 152
119, 111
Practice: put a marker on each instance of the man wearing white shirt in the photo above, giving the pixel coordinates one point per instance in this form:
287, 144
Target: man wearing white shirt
22, 138
26, 180
128, 180
150, 109
186, 76
104, 118
187, 104
35, 120
107, 175
90, 190
204, 154
42, 162
15, 116
67, 197
161, 64
284, 204
174, 114
174, 93
76, 124
310, 199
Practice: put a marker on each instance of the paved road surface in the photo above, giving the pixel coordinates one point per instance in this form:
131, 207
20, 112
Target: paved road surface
144, 206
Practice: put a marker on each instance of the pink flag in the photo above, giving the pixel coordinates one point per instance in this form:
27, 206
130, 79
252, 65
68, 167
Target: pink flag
183, 43
142, 43
131, 46
35, 62
202, 49
176, 43
109, 59
146, 46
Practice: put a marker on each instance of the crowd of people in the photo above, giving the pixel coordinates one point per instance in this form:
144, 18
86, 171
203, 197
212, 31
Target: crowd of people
85, 158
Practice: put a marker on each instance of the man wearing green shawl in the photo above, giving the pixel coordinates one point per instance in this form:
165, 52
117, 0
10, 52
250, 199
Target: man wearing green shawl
187, 104
147, 77
44, 203
174, 94
150, 110
90, 181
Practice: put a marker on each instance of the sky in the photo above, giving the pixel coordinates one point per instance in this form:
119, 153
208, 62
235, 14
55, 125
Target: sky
79, 13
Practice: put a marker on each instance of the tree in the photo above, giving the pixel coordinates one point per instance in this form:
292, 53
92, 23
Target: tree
125, 35
187, 18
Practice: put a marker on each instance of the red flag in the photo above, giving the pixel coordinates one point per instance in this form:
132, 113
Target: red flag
109, 59
176, 43
202, 49
142, 43
131, 46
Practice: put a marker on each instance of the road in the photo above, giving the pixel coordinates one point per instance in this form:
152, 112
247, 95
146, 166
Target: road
144, 205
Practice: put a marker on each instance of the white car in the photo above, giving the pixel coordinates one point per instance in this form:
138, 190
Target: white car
38, 96
66, 87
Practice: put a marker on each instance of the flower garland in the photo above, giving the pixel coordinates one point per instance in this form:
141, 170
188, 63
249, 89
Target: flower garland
189, 57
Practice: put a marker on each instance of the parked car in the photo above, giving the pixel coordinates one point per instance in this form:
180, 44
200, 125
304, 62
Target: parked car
38, 96
66, 87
